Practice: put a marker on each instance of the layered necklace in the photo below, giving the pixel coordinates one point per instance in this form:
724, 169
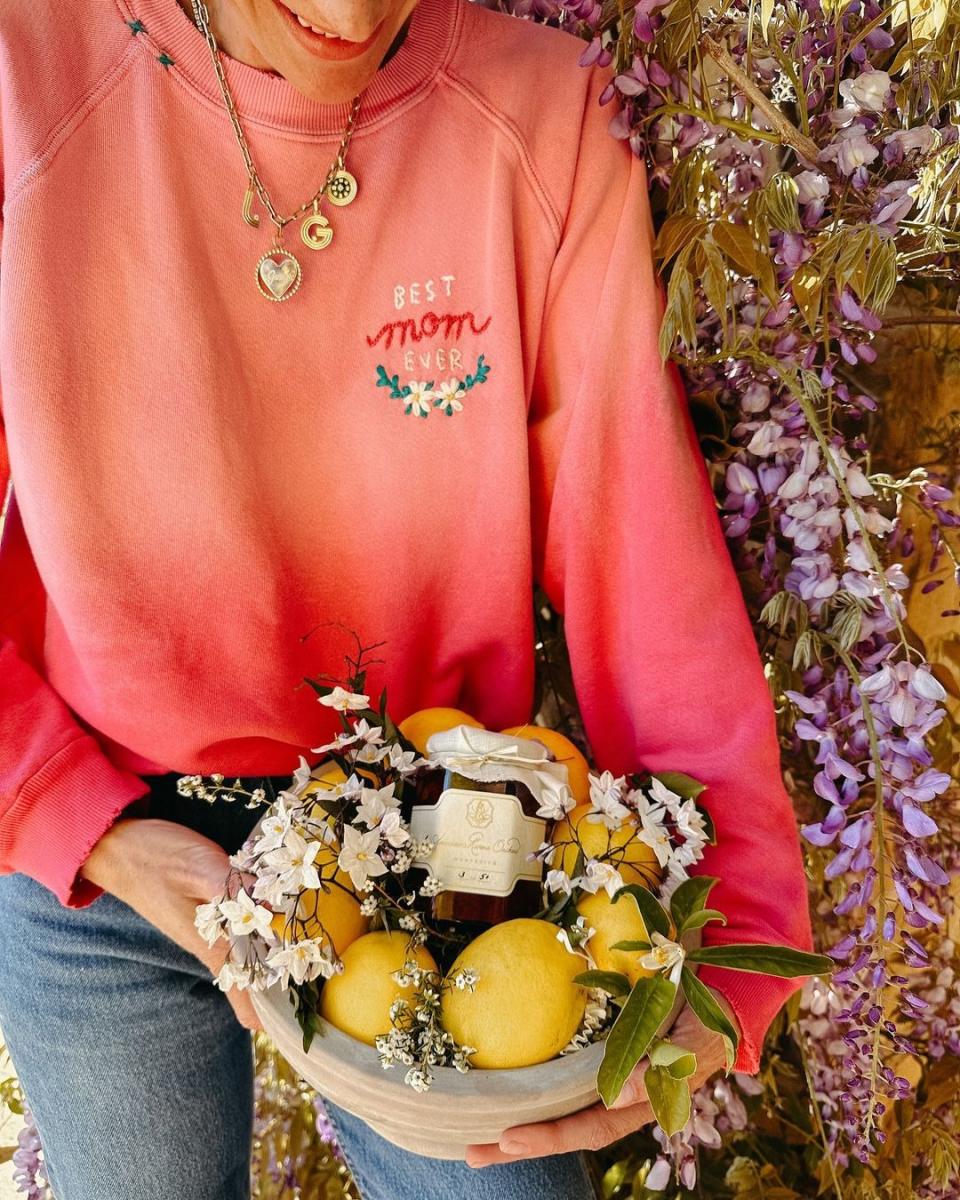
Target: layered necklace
278, 270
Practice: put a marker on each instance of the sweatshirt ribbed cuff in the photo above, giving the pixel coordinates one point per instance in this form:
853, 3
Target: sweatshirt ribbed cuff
756, 1000
61, 812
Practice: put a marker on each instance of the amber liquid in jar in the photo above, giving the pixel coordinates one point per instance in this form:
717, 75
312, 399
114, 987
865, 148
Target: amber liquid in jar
485, 832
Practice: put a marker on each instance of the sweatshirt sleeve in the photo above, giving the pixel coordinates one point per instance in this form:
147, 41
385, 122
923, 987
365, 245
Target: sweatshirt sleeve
629, 548
59, 792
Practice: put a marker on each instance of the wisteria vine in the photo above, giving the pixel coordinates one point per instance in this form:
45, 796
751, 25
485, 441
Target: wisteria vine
808, 153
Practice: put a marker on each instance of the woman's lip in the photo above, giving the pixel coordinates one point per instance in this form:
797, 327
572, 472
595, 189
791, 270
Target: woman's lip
324, 47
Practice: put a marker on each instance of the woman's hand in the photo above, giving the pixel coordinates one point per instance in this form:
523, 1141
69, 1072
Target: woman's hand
163, 870
598, 1126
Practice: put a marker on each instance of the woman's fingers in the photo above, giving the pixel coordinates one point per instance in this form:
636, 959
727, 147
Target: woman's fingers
590, 1129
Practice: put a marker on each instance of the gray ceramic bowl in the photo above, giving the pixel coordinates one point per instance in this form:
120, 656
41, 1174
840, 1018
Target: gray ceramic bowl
458, 1108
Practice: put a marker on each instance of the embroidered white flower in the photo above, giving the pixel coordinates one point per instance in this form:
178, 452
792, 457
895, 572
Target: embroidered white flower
342, 700
245, 916
359, 857
420, 398
450, 395
665, 955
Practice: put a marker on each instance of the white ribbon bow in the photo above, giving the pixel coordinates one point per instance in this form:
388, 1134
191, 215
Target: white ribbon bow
489, 757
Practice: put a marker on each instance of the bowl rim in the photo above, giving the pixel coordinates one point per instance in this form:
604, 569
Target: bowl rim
273, 1006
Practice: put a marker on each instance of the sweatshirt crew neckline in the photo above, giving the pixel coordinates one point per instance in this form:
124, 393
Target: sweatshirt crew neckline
268, 98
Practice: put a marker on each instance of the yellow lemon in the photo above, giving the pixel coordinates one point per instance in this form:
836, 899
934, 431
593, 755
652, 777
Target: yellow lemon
564, 751
635, 860
525, 1007
620, 922
327, 776
418, 726
358, 1000
335, 912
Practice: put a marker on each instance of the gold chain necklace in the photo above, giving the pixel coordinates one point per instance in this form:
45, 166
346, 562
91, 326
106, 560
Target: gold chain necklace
278, 270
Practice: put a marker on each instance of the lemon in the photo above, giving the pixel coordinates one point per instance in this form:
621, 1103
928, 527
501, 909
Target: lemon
324, 778
525, 1007
333, 914
358, 1000
620, 922
418, 726
635, 860
564, 751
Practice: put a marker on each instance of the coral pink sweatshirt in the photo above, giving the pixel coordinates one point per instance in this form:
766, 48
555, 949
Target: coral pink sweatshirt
202, 477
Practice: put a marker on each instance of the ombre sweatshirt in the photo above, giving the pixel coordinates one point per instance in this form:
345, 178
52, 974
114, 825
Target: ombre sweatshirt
213, 492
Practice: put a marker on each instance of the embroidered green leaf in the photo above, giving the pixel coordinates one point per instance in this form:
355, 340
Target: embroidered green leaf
164, 59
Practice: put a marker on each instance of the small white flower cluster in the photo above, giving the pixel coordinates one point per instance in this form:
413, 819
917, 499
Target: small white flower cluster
301, 844
194, 786
417, 1040
672, 827
256, 958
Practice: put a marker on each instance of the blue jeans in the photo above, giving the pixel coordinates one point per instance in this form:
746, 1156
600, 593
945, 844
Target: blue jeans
139, 1076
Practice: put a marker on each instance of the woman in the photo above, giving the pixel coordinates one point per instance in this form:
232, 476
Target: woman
279, 364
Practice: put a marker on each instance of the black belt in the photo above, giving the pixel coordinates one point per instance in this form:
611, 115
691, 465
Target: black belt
225, 821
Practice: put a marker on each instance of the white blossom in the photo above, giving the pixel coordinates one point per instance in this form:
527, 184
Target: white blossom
375, 802
244, 916
342, 700
606, 798
359, 855
664, 955
294, 862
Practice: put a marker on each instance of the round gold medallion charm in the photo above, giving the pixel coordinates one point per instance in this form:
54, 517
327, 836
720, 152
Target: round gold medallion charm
316, 231
342, 188
278, 274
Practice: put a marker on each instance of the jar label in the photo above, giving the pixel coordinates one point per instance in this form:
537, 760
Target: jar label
483, 839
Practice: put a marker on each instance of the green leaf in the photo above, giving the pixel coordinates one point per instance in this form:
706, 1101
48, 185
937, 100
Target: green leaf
690, 897
611, 981
651, 910
764, 960
702, 1001
697, 920
669, 1098
683, 785
647, 1007
679, 1062
631, 946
